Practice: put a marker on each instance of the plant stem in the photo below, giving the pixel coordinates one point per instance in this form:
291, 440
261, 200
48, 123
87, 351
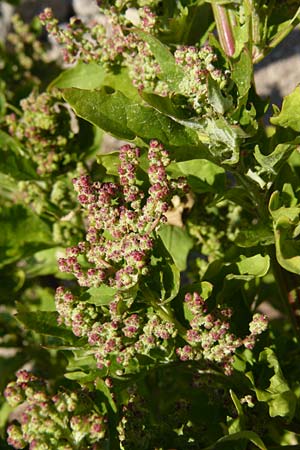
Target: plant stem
224, 29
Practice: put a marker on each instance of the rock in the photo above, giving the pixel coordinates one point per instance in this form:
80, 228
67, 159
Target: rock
6, 11
279, 73
85, 9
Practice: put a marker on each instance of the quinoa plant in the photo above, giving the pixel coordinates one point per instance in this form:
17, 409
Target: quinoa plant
150, 291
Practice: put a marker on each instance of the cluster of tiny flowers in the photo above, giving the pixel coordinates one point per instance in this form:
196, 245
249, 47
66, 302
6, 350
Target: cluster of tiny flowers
108, 42
24, 52
111, 45
125, 4
121, 222
210, 337
52, 422
144, 70
45, 131
22, 38
198, 64
120, 336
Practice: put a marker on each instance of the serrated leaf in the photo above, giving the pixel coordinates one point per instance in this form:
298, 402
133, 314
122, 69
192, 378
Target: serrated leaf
216, 98
82, 76
102, 295
223, 139
242, 72
285, 223
165, 105
171, 72
43, 262
271, 163
178, 243
82, 377
289, 116
256, 266
164, 281
101, 386
287, 247
203, 175
254, 235
280, 398
45, 322
22, 233
126, 119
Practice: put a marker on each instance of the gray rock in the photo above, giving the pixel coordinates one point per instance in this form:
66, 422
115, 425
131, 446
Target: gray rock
279, 73
85, 9
6, 11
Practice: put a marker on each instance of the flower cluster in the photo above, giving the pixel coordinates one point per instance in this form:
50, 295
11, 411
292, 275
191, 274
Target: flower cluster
210, 337
45, 130
63, 421
107, 42
114, 335
117, 44
198, 64
121, 222
23, 55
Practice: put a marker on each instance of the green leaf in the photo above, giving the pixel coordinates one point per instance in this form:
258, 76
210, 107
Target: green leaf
45, 322
22, 233
82, 377
272, 163
178, 243
101, 386
12, 162
110, 162
257, 234
82, 76
5, 411
164, 281
278, 395
242, 72
126, 119
256, 266
287, 247
286, 231
43, 262
289, 116
203, 175
171, 73
223, 139
241, 435
216, 99
102, 295
165, 105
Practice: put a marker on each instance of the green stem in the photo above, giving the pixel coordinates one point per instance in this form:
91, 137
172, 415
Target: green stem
224, 28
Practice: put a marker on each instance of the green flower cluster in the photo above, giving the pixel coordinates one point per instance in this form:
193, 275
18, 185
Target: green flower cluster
63, 421
46, 131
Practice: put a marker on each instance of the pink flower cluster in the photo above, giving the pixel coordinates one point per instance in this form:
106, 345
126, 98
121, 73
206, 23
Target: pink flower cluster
121, 221
114, 335
210, 337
